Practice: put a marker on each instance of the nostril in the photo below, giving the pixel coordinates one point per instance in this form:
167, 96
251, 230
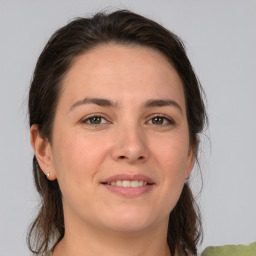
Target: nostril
123, 157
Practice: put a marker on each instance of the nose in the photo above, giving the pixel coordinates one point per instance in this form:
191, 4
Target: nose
130, 145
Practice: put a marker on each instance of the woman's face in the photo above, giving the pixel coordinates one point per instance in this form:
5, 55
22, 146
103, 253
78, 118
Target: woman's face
120, 142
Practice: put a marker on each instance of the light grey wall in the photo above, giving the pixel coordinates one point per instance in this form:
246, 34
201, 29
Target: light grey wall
220, 38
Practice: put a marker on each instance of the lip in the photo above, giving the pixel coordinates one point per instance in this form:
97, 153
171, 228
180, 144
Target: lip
129, 191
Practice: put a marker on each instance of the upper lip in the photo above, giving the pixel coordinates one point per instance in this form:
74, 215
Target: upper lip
130, 177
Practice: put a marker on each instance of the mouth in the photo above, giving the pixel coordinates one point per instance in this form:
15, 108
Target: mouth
128, 185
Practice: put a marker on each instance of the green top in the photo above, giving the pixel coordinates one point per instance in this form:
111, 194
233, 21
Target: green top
231, 250
226, 250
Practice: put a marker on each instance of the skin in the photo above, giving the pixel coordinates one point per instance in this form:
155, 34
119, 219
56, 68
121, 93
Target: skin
127, 140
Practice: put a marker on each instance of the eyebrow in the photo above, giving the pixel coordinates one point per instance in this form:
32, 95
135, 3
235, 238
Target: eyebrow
109, 103
162, 103
97, 101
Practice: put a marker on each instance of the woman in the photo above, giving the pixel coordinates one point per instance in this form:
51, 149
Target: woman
115, 116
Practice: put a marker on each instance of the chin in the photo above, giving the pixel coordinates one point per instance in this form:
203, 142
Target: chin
130, 221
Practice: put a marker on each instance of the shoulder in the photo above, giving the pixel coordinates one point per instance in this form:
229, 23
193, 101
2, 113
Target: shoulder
234, 250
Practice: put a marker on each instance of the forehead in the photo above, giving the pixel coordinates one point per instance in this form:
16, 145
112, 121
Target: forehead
111, 70
107, 57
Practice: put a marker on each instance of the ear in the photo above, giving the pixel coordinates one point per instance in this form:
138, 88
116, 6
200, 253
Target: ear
43, 152
191, 159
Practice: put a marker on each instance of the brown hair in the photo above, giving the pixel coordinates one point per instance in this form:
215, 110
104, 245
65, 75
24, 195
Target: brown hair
81, 35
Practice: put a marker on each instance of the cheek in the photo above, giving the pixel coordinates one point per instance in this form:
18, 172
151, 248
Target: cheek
172, 153
172, 159
76, 157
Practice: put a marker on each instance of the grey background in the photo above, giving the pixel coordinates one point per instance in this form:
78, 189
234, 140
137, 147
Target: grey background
220, 38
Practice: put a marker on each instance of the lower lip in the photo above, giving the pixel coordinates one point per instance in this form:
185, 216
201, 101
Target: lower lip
129, 191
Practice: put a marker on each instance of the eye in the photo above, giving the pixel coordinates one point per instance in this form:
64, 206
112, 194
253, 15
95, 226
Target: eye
94, 120
160, 121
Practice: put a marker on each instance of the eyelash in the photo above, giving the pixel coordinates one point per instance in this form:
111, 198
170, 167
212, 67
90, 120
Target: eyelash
168, 121
85, 121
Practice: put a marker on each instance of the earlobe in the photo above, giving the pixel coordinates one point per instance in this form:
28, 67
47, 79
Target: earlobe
43, 152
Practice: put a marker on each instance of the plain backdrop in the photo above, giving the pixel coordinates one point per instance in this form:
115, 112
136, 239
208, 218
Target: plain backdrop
220, 38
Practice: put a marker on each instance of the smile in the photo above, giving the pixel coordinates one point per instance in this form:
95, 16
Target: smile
128, 183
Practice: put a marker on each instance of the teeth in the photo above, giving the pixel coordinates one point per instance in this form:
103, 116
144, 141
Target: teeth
128, 183
134, 183
119, 183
